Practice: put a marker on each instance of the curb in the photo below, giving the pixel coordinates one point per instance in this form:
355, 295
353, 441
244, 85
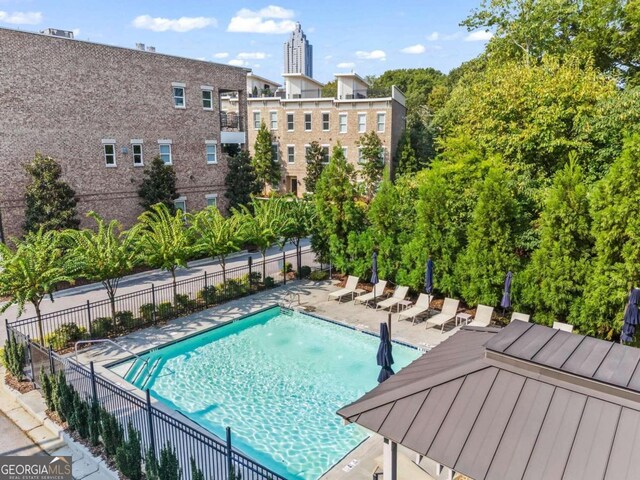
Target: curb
84, 451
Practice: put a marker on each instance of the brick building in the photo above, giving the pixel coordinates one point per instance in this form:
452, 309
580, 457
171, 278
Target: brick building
103, 113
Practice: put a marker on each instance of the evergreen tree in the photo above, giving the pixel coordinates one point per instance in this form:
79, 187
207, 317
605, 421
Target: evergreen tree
266, 168
241, 180
555, 278
129, 456
407, 159
158, 185
491, 241
50, 201
315, 164
372, 161
616, 229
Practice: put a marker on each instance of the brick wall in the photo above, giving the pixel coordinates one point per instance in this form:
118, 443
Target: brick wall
63, 97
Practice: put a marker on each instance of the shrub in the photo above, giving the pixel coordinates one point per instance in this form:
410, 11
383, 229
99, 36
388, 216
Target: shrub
102, 327
288, 267
110, 431
234, 287
167, 469
14, 356
318, 275
146, 312
64, 399
305, 271
196, 473
80, 416
128, 455
64, 335
94, 423
184, 303
165, 311
254, 277
208, 295
269, 282
125, 320
47, 384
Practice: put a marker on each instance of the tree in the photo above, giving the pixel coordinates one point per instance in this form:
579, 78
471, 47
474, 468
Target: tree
616, 229
330, 89
50, 201
240, 181
490, 251
104, 255
372, 155
265, 165
299, 216
407, 160
415, 83
315, 164
158, 185
162, 240
554, 280
217, 236
33, 270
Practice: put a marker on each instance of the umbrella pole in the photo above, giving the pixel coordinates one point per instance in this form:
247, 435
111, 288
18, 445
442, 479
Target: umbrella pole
389, 324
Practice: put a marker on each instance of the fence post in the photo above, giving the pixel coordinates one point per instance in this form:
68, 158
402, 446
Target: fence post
33, 375
52, 366
206, 290
6, 325
284, 267
153, 302
250, 264
89, 319
152, 438
94, 390
229, 460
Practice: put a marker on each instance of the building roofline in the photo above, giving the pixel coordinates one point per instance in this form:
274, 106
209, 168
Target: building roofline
354, 75
302, 75
125, 48
258, 77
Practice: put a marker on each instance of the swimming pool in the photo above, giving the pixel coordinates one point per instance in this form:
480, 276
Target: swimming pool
276, 378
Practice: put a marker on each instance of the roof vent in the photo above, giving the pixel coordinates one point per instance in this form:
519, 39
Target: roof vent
140, 46
151, 49
55, 32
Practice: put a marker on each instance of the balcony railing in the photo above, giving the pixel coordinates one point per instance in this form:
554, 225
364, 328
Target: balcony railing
230, 122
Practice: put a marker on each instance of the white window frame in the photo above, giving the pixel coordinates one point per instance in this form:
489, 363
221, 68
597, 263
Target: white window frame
137, 142
384, 122
214, 144
291, 160
275, 158
307, 146
293, 121
362, 128
182, 200
174, 87
328, 121
346, 122
310, 122
273, 124
112, 143
345, 152
383, 155
211, 196
162, 143
209, 89
360, 159
328, 157
257, 114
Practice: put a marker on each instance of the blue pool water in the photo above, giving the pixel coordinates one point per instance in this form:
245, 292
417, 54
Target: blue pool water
277, 380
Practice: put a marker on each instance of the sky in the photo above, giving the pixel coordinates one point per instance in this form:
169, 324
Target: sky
365, 36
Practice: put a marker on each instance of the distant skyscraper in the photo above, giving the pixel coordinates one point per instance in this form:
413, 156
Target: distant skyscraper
298, 54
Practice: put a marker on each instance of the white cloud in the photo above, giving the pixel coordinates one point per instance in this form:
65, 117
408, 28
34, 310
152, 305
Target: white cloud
272, 19
21, 18
478, 36
236, 62
182, 24
221, 55
433, 37
328, 57
372, 55
252, 55
346, 65
414, 49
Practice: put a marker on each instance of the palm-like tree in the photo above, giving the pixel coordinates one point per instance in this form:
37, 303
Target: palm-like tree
32, 271
163, 240
217, 236
104, 255
299, 214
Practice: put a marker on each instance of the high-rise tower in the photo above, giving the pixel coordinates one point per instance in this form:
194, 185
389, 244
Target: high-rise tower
298, 54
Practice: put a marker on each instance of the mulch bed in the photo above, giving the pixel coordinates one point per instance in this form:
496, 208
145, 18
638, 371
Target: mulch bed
23, 387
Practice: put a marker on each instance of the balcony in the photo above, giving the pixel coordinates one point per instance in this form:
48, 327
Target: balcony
231, 130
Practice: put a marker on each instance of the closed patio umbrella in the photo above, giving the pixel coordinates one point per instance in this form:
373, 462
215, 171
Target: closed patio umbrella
384, 356
428, 277
374, 273
506, 294
631, 317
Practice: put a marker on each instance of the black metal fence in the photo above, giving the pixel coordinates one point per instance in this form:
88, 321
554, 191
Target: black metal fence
157, 304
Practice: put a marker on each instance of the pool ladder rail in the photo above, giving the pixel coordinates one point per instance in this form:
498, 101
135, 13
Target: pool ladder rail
291, 297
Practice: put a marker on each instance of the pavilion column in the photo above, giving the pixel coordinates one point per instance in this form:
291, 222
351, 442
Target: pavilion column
390, 459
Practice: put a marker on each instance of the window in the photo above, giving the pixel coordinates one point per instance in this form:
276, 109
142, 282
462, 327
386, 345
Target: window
325, 121
383, 154
291, 154
207, 98
325, 153
212, 200
380, 120
307, 122
211, 151
178, 95
290, 122
273, 120
180, 203
165, 151
362, 122
274, 152
136, 150
342, 120
360, 159
306, 151
109, 147
256, 120
345, 152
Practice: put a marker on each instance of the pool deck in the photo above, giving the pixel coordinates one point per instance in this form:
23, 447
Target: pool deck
312, 297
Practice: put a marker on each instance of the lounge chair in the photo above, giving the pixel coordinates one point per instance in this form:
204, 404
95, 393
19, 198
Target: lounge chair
563, 326
482, 317
398, 296
350, 288
448, 313
523, 317
377, 292
421, 306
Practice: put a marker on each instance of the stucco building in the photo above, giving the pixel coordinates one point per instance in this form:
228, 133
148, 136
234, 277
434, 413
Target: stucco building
104, 113
298, 53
